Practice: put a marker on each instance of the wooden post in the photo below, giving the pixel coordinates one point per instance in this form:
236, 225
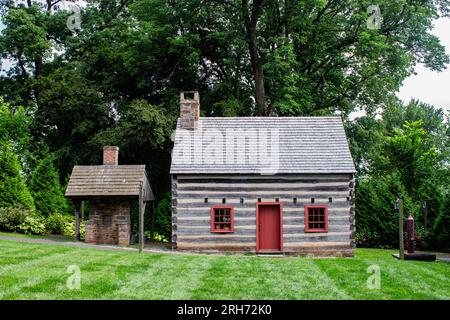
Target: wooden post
82, 210
77, 221
400, 232
141, 219
152, 226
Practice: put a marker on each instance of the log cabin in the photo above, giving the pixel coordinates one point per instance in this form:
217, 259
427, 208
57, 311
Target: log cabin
267, 185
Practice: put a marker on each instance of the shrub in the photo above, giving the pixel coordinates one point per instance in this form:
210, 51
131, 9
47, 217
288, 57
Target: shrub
157, 236
46, 189
163, 216
441, 227
33, 224
12, 218
56, 222
13, 190
376, 217
69, 229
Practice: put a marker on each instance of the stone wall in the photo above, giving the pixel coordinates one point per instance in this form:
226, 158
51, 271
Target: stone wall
109, 221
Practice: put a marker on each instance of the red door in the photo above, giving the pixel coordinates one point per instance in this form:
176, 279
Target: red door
269, 227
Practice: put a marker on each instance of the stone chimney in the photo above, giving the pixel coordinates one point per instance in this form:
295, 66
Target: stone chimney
110, 156
189, 109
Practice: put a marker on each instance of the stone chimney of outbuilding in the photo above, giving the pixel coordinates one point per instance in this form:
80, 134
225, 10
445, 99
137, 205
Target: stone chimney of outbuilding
189, 109
110, 156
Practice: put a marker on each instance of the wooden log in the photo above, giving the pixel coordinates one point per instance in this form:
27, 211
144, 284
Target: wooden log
251, 202
261, 194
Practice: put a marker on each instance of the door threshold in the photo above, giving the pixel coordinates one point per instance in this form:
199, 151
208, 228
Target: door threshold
269, 253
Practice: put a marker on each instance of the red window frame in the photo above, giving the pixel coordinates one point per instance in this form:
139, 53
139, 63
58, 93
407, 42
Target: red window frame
325, 222
213, 223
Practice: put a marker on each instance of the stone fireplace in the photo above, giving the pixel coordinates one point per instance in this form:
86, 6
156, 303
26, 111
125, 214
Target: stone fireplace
109, 221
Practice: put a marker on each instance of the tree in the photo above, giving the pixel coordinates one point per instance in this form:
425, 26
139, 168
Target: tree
13, 190
143, 135
320, 54
14, 126
406, 153
45, 188
70, 112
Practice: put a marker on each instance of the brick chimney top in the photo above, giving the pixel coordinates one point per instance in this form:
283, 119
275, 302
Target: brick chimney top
189, 109
110, 156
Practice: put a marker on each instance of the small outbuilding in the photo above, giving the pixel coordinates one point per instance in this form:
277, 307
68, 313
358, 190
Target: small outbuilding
281, 185
109, 188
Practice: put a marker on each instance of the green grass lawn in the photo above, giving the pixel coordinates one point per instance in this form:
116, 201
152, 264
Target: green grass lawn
38, 271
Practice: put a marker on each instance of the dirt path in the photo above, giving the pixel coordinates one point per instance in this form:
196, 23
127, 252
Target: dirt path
60, 242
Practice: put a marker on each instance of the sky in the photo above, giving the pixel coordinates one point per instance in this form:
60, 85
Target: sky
430, 86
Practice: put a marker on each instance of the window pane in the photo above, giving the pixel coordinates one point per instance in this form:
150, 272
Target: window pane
316, 219
222, 219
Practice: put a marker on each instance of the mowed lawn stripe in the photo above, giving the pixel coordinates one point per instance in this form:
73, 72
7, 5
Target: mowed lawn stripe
399, 280
227, 278
32, 260
350, 275
266, 278
10, 254
98, 275
298, 278
168, 277
31, 271
26, 280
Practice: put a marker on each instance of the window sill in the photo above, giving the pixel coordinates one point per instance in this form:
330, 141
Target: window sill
222, 231
316, 231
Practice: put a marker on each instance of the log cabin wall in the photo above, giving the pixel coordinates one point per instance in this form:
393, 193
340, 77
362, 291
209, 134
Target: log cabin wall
192, 214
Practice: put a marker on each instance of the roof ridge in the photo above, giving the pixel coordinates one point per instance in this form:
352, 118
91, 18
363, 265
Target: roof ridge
291, 117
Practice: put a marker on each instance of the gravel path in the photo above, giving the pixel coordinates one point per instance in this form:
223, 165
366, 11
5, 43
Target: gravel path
60, 242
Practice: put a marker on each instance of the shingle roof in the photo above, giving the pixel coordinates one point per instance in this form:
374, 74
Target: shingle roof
272, 145
107, 180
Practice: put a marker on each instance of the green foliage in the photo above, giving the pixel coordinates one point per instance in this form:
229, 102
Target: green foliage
143, 125
24, 37
14, 125
11, 218
440, 237
376, 218
56, 223
46, 190
69, 229
33, 224
13, 190
405, 153
71, 111
156, 236
163, 216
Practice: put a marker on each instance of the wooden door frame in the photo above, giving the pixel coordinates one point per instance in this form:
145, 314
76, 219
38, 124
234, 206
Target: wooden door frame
280, 205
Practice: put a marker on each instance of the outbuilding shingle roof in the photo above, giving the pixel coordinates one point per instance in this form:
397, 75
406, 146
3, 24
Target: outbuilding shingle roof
108, 180
262, 145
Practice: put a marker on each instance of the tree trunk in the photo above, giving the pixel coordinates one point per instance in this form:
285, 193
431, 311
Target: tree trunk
258, 76
251, 21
